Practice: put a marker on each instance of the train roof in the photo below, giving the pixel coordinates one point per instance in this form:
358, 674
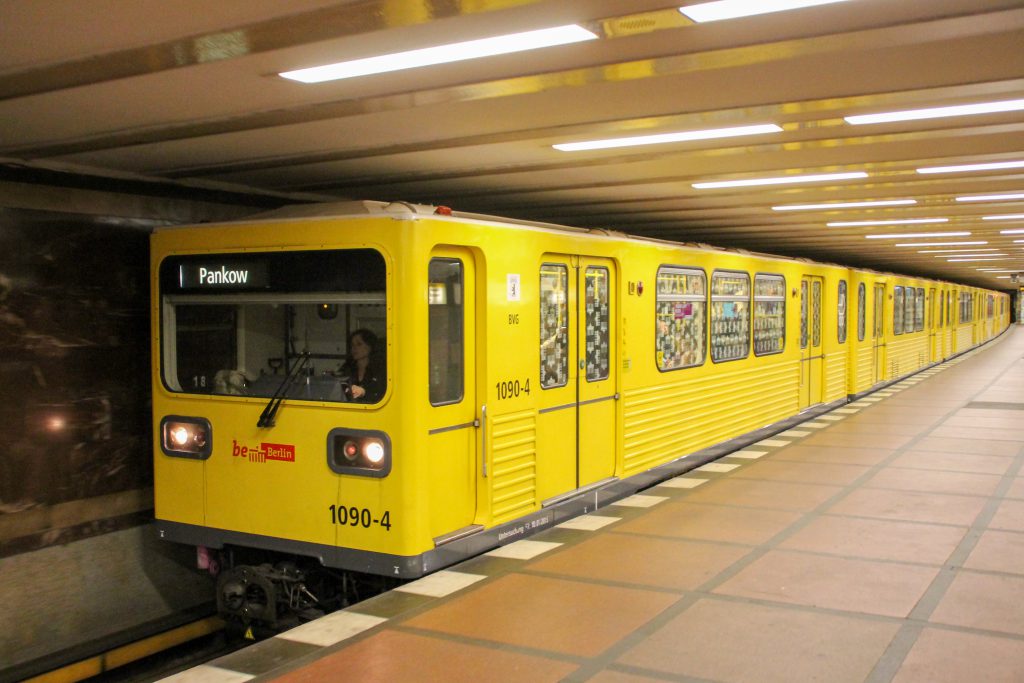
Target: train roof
410, 210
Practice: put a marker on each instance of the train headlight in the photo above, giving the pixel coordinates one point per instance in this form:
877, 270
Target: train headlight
360, 452
186, 437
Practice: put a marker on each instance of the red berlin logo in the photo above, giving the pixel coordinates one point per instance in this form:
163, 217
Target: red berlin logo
266, 451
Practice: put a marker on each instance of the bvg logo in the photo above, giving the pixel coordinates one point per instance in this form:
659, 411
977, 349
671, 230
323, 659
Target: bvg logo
266, 451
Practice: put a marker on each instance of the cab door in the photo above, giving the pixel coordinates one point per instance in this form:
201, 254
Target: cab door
811, 358
451, 416
879, 334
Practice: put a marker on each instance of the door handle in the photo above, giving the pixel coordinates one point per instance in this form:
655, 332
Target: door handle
483, 439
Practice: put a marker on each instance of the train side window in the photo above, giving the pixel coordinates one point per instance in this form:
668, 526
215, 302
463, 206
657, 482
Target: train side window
991, 306
554, 325
908, 310
446, 336
897, 311
680, 318
730, 316
598, 340
841, 304
816, 313
862, 316
769, 314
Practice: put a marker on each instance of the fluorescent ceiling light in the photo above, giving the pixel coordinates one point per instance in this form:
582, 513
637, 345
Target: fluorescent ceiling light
966, 260
937, 112
995, 166
938, 244
662, 138
1011, 232
443, 54
844, 205
783, 180
994, 270
732, 9
953, 251
912, 235
1004, 217
981, 257
904, 221
1017, 241
990, 197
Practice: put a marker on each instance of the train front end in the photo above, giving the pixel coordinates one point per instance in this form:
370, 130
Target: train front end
274, 436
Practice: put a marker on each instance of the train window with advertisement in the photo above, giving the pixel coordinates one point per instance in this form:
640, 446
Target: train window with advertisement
554, 325
991, 307
897, 311
769, 314
919, 310
803, 314
598, 347
841, 304
949, 309
730, 316
862, 315
908, 310
680, 318
265, 324
446, 347
816, 313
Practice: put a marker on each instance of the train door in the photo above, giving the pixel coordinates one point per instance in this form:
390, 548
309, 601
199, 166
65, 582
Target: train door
576, 416
879, 334
811, 358
452, 441
595, 418
934, 320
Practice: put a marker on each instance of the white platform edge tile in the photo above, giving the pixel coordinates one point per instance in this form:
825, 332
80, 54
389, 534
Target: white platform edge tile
441, 584
748, 455
716, 467
772, 443
846, 411
204, 673
794, 433
683, 483
331, 629
814, 425
523, 550
640, 501
588, 522
831, 418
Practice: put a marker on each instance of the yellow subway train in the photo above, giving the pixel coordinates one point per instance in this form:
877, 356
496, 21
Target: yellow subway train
390, 389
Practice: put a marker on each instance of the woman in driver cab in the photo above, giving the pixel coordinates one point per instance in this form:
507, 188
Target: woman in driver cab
365, 367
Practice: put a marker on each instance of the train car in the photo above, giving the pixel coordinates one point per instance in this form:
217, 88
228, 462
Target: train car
389, 389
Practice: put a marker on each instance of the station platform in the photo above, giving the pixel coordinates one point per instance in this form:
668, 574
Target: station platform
883, 541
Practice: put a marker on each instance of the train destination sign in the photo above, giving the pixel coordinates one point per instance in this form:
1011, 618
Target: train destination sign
233, 275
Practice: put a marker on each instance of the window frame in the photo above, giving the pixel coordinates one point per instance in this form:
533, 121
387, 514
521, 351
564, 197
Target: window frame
898, 309
842, 311
862, 314
462, 330
540, 318
729, 298
769, 299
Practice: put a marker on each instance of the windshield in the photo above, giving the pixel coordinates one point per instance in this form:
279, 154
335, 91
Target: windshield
238, 324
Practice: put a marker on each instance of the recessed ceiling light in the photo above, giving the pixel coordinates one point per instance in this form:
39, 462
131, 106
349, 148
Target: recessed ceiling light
937, 112
662, 138
443, 54
782, 180
938, 244
844, 205
904, 221
965, 168
990, 197
1004, 217
732, 9
912, 235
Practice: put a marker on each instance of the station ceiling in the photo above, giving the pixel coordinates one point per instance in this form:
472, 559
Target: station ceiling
189, 91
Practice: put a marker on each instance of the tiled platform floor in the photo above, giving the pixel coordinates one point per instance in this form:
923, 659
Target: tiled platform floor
881, 542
